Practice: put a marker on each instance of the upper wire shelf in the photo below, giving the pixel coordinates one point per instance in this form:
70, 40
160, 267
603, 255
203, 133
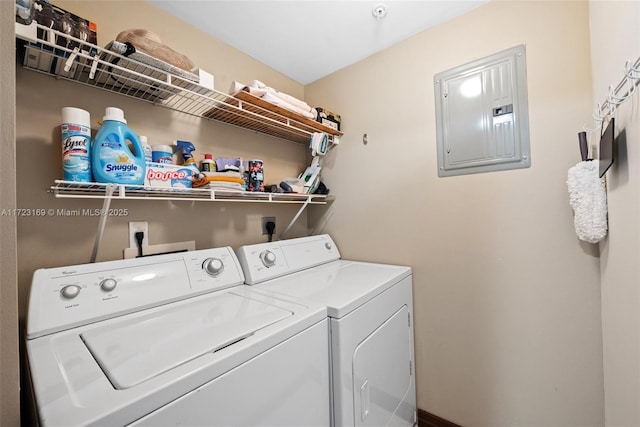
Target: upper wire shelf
88, 64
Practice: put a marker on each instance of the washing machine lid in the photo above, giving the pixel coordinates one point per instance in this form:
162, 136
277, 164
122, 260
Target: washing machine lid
341, 285
136, 350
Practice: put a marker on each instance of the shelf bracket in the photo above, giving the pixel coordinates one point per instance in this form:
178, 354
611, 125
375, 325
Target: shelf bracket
104, 214
295, 218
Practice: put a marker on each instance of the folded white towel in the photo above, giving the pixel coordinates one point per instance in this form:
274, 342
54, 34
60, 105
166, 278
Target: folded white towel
236, 87
276, 100
588, 198
281, 99
258, 88
225, 186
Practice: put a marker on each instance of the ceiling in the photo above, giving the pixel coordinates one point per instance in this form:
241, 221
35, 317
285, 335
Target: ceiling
310, 39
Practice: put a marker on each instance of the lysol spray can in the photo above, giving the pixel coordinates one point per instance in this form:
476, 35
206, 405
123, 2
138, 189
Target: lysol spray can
76, 145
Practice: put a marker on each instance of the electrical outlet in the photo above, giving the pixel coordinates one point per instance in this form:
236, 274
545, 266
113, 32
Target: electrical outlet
265, 220
134, 227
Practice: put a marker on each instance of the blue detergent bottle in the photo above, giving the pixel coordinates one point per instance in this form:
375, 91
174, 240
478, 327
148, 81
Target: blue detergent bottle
111, 159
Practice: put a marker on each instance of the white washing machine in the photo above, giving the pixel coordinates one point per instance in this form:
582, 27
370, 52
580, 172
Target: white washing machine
371, 323
173, 340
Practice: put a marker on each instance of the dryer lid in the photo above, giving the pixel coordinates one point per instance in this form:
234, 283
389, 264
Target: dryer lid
142, 347
341, 286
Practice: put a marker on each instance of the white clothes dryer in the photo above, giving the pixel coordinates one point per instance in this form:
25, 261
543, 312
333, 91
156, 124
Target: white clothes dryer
371, 323
173, 340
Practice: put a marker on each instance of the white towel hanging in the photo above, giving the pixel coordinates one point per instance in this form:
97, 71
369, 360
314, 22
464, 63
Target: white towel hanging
588, 198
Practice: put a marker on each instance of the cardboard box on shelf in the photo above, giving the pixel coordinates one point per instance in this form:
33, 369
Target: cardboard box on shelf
328, 118
45, 57
205, 79
51, 16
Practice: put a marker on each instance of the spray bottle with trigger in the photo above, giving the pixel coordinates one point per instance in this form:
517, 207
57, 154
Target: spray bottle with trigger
186, 148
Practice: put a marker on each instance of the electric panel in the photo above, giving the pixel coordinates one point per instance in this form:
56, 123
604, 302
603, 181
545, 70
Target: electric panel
482, 122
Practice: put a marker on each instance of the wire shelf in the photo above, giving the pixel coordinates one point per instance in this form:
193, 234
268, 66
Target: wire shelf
54, 53
91, 190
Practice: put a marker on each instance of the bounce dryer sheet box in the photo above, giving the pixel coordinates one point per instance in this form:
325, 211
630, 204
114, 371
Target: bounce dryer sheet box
168, 175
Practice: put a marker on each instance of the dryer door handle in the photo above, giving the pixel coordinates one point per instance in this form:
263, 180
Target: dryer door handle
364, 400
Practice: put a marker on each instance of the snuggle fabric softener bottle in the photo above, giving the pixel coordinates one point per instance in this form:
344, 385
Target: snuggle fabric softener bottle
111, 158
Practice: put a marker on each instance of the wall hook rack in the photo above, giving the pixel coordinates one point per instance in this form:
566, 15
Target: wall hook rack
614, 99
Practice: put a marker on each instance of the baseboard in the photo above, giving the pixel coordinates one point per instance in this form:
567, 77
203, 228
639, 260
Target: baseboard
425, 419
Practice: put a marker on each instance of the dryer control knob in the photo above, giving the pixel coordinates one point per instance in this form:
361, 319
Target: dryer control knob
108, 285
268, 258
213, 266
70, 291
328, 246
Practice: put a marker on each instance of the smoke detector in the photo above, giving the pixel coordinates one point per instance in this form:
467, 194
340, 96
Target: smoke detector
379, 11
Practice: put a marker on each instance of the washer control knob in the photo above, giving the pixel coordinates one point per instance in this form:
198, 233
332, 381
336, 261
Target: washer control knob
108, 285
328, 246
70, 291
213, 266
268, 258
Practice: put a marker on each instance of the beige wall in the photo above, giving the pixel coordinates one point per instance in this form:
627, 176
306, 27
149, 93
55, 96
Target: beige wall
507, 301
9, 365
615, 38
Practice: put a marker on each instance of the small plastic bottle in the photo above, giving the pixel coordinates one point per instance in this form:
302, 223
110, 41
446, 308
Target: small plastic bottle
162, 154
146, 149
208, 165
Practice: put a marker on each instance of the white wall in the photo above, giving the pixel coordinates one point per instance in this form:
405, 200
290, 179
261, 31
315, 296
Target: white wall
615, 38
507, 301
